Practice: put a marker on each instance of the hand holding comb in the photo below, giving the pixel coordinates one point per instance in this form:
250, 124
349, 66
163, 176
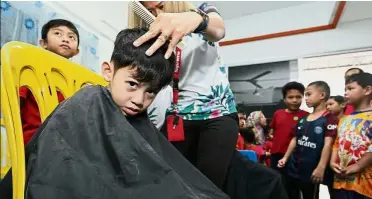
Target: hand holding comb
149, 18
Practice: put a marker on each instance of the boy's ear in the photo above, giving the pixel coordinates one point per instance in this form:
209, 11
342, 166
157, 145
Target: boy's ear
323, 95
43, 43
343, 105
368, 90
77, 52
107, 70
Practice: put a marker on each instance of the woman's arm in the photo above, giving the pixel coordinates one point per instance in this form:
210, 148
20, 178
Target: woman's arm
216, 28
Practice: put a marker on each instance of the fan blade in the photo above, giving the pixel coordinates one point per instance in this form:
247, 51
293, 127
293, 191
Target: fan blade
251, 79
261, 75
254, 82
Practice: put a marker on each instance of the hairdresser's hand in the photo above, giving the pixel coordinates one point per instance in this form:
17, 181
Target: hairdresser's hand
170, 26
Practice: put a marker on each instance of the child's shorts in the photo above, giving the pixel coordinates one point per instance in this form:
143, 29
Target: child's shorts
345, 194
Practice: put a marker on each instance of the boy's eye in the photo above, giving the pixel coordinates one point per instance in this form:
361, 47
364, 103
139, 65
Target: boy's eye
151, 93
57, 33
72, 37
133, 84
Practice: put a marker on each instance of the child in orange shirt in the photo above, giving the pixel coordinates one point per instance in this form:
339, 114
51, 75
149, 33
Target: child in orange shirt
352, 152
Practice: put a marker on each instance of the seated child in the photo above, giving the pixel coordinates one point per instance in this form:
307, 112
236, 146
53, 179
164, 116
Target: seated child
100, 143
267, 147
251, 143
242, 118
58, 36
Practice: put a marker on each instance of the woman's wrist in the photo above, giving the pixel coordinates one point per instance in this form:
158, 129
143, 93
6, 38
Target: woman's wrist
204, 20
200, 20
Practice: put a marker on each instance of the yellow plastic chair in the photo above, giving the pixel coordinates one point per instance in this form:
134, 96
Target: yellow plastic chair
43, 73
4, 150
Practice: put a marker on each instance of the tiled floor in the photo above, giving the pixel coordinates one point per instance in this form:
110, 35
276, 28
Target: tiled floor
323, 192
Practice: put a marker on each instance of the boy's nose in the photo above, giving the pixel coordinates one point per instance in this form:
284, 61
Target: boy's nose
138, 100
65, 40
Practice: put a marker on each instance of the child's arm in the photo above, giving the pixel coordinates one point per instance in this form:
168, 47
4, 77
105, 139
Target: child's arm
330, 133
337, 168
318, 173
23, 94
291, 147
364, 162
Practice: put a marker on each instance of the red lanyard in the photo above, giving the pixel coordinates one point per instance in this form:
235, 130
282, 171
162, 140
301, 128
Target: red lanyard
176, 80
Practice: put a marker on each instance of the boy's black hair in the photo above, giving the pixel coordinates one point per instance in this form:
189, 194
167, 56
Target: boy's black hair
363, 79
240, 110
323, 86
350, 69
293, 86
338, 98
248, 135
154, 70
57, 23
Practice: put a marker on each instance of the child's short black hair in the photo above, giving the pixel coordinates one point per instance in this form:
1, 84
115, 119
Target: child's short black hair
323, 86
154, 69
293, 86
57, 23
248, 134
241, 111
363, 79
358, 69
338, 98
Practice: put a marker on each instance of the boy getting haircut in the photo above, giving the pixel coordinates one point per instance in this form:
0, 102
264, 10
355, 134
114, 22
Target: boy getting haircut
352, 151
58, 36
100, 143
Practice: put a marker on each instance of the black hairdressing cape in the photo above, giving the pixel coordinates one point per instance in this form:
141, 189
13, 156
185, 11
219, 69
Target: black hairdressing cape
88, 149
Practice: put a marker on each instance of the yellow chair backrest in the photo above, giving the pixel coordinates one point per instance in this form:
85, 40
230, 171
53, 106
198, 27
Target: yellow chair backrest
5, 163
43, 73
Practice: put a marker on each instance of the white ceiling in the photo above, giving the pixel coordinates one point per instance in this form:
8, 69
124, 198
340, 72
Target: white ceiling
356, 10
234, 9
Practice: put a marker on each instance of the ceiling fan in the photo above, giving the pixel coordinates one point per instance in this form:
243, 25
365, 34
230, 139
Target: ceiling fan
253, 80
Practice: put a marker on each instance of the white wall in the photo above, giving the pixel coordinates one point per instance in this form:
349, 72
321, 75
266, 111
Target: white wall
353, 32
331, 69
290, 18
347, 36
103, 18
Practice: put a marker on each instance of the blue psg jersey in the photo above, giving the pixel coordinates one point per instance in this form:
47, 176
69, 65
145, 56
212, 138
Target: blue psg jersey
310, 137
